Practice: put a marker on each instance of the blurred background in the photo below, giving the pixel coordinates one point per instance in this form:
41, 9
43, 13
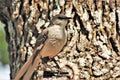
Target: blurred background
4, 57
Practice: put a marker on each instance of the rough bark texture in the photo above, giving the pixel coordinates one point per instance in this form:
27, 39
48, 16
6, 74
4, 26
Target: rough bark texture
93, 48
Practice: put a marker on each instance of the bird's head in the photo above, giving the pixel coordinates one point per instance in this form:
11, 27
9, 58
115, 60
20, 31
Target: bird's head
60, 19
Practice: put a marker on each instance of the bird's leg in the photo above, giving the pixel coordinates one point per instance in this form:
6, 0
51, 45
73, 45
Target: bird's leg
52, 73
59, 71
44, 61
53, 59
46, 73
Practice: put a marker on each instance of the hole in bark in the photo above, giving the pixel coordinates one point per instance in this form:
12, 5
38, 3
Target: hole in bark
7, 33
38, 6
21, 6
95, 4
54, 5
90, 15
35, 32
73, 9
106, 31
103, 8
113, 45
117, 23
74, 19
83, 29
87, 49
77, 49
30, 2
24, 17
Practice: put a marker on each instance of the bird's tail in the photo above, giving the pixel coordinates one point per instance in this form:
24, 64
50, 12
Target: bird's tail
24, 68
31, 68
28, 68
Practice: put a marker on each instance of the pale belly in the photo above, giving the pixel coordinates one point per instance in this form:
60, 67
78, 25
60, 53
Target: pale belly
50, 50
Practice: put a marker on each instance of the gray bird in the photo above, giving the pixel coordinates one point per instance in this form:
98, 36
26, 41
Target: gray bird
53, 38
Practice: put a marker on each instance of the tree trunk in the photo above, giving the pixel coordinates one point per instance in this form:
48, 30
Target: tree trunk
93, 48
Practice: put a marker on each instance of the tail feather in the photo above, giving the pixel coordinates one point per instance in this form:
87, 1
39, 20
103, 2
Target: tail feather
24, 68
31, 68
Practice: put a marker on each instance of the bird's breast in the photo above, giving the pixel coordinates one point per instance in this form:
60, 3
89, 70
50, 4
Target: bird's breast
58, 38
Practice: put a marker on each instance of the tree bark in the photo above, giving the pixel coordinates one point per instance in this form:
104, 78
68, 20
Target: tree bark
93, 48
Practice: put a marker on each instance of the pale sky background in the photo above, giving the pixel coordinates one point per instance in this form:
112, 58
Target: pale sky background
4, 72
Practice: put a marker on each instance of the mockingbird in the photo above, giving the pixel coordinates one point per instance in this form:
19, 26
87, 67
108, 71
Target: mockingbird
53, 38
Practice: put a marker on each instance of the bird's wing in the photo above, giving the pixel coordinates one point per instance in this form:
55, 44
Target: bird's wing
40, 40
